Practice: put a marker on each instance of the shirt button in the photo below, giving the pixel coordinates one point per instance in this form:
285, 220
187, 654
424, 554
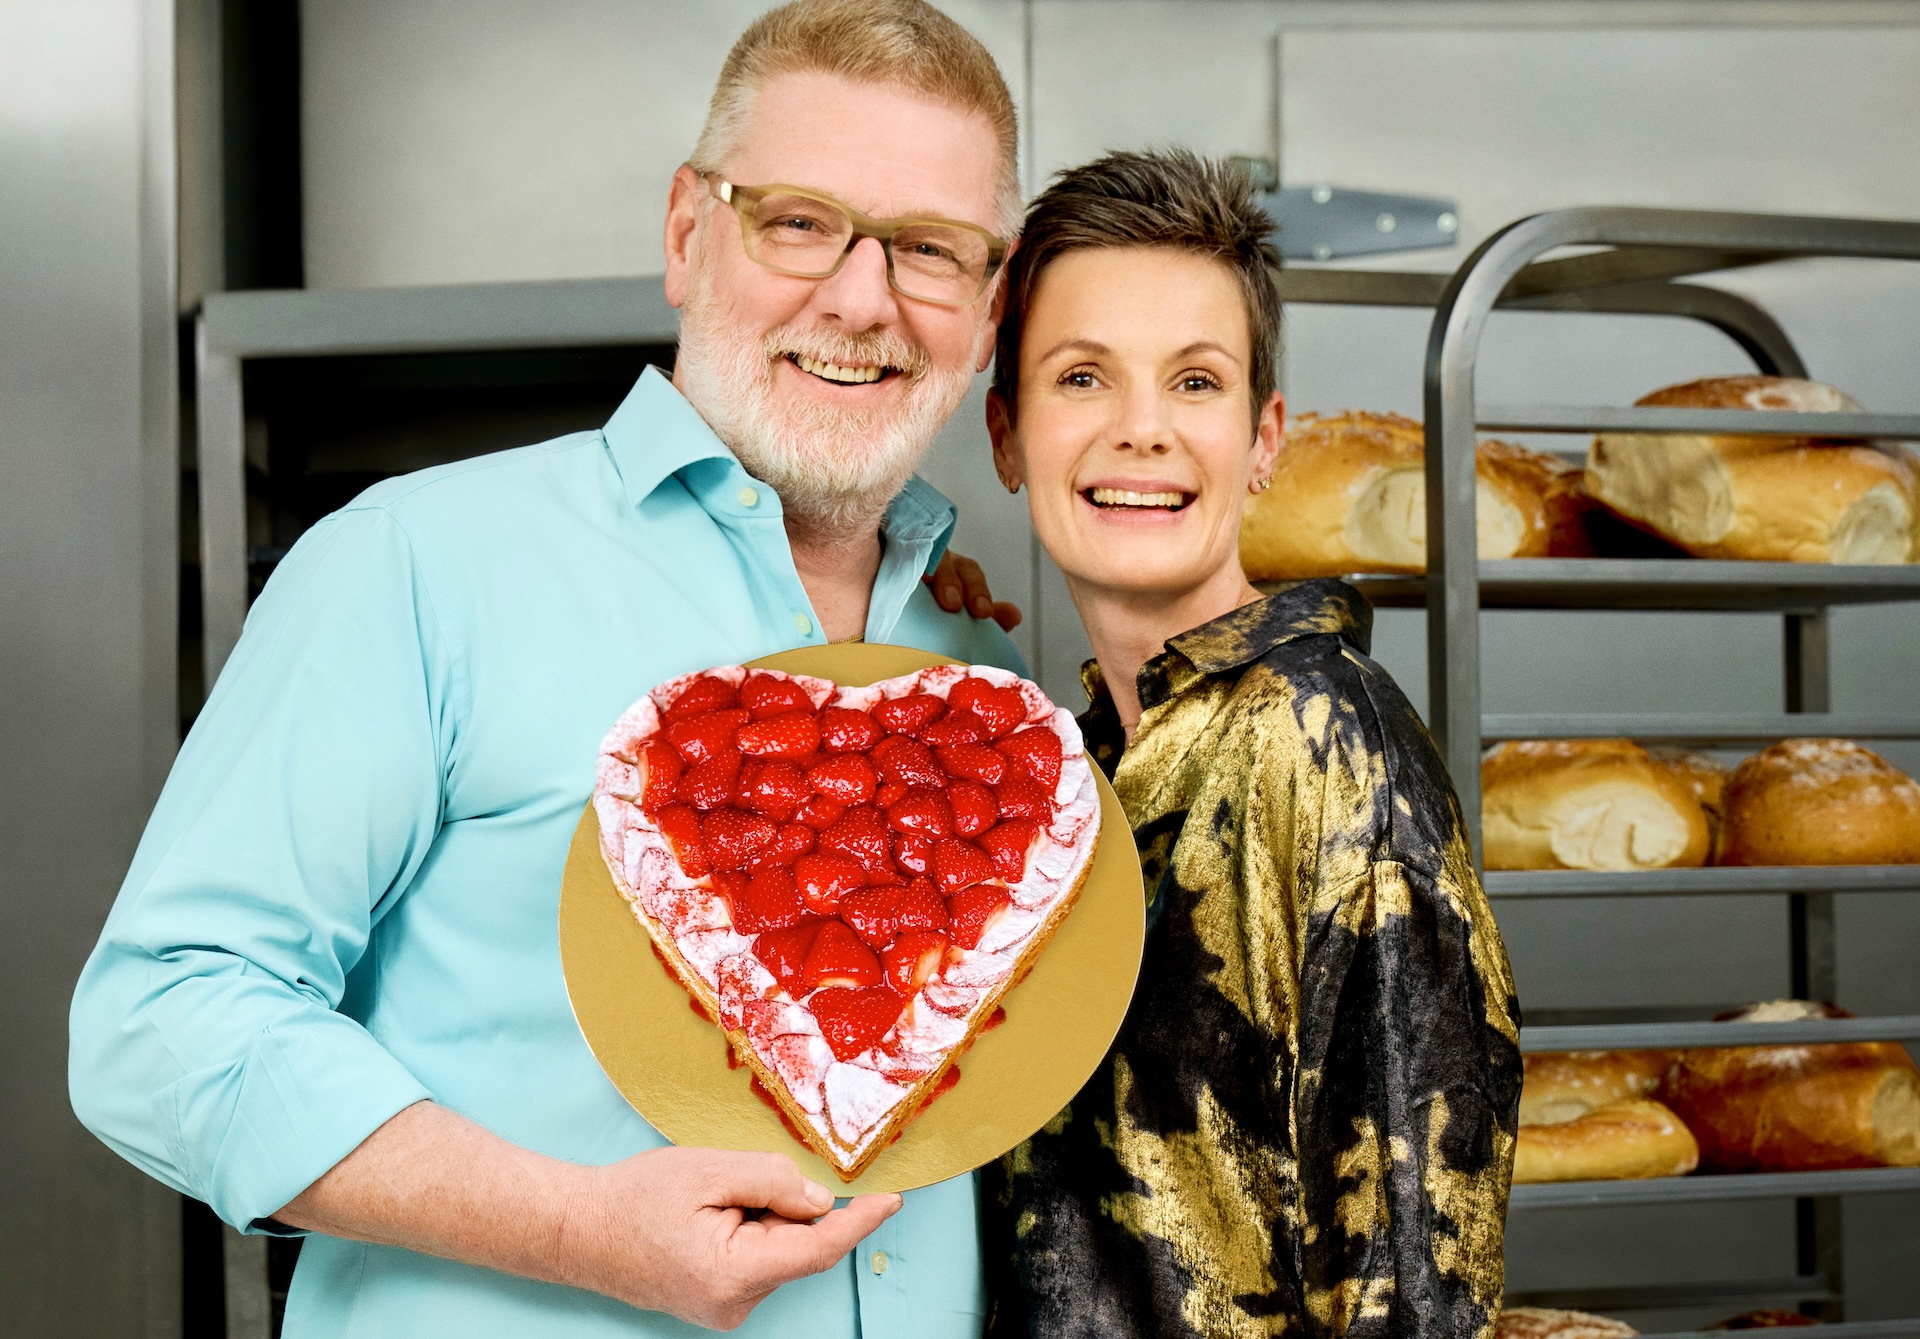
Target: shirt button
749, 497
880, 1262
803, 625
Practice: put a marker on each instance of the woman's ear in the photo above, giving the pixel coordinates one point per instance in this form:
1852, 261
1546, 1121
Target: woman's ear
1270, 428
1006, 443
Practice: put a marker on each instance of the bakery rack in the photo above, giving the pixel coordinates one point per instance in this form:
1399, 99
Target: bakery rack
1642, 257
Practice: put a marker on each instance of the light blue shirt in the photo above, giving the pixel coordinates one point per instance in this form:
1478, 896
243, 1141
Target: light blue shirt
347, 897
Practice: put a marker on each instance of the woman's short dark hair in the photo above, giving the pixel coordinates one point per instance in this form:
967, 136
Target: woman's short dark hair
1169, 198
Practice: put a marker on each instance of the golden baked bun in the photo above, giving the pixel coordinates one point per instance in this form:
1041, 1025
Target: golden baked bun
1587, 804
1820, 802
1540, 1322
1349, 494
1784, 499
1566, 1085
1707, 778
1621, 1141
1799, 1108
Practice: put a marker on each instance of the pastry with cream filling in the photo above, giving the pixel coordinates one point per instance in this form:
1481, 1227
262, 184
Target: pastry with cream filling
1587, 804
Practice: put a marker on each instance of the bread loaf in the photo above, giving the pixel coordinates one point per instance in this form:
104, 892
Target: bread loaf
1621, 1141
1786, 499
1707, 778
1349, 494
1820, 802
1799, 1108
1566, 1085
1539, 1322
1587, 804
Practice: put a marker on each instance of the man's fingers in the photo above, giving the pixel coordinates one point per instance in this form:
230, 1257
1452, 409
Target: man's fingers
1007, 614
767, 1181
769, 1255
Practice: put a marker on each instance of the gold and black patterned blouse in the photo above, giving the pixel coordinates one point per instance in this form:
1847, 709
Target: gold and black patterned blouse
1306, 1124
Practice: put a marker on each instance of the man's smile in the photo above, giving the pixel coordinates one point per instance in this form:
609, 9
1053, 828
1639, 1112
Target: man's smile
841, 376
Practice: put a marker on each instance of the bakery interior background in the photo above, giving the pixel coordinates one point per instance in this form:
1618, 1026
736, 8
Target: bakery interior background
156, 151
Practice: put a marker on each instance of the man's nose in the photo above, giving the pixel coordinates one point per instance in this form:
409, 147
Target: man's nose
857, 294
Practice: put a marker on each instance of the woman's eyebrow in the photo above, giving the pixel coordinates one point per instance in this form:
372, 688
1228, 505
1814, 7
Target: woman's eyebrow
1206, 346
1092, 346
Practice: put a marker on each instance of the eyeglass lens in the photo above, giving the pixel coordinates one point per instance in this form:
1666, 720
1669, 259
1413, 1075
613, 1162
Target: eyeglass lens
935, 261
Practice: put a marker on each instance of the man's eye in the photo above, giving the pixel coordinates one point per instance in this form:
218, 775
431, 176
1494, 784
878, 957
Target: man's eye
796, 223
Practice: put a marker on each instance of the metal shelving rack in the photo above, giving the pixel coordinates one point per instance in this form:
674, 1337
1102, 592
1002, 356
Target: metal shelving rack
1646, 251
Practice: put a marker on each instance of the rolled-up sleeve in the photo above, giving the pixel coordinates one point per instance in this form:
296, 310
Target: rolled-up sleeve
207, 1042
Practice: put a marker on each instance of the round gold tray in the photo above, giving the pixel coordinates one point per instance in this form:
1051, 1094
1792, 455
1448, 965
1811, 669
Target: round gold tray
671, 1064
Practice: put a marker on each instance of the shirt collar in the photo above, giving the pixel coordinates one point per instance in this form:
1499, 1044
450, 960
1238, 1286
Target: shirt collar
1319, 608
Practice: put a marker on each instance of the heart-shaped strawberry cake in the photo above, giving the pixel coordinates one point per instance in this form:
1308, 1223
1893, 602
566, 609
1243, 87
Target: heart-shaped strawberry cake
848, 880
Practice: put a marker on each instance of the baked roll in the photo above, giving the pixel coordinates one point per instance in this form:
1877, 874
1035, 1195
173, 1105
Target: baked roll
1587, 804
1621, 1141
1540, 1322
1820, 802
1785, 499
1799, 1108
1349, 494
1706, 776
1566, 1085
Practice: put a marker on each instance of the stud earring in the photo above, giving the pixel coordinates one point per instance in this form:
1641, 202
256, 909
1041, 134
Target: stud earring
1011, 485
1258, 486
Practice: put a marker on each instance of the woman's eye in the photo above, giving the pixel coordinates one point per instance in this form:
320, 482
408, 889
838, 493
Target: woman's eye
1079, 380
1194, 382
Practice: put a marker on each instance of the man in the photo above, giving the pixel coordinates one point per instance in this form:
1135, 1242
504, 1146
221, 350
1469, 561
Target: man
329, 997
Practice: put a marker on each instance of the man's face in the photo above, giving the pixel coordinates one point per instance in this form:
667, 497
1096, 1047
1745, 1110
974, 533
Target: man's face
837, 441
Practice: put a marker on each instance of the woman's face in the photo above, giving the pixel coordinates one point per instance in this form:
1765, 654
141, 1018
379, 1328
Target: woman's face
1135, 435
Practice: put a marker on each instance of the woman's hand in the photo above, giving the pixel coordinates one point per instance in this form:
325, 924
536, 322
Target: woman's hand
958, 583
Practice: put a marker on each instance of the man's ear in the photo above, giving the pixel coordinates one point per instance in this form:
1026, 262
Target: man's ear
1268, 434
1006, 443
683, 220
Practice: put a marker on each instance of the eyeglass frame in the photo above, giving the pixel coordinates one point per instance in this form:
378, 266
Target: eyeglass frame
864, 225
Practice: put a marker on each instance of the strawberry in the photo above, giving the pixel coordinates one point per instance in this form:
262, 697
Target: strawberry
681, 827
974, 808
958, 864
660, 768
838, 958
913, 852
956, 727
912, 959
733, 839
765, 695
1020, 796
705, 693
870, 914
794, 734
847, 730
785, 953
920, 907
921, 810
910, 714
711, 784
775, 789
768, 902
974, 909
823, 880
792, 841
975, 762
853, 1020
908, 761
889, 793
860, 834
819, 812
707, 735
1007, 844
846, 777
999, 709
1037, 750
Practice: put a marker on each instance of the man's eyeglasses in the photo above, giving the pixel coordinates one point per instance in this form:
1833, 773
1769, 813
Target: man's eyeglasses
790, 230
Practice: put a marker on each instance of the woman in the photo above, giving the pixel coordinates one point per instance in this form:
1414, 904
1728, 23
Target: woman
1306, 1123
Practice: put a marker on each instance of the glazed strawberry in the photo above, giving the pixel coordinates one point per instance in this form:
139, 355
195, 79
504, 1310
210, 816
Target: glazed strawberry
870, 914
822, 880
707, 735
1007, 844
912, 959
776, 789
767, 902
711, 784
847, 777
913, 852
860, 834
847, 730
889, 793
1020, 796
852, 1021
660, 768
956, 727
907, 761
765, 695
680, 825
958, 864
1000, 709
792, 735
974, 808
838, 958
819, 812
1038, 750
792, 841
733, 838
974, 910
920, 907
921, 810
705, 693
785, 953
975, 762
909, 714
